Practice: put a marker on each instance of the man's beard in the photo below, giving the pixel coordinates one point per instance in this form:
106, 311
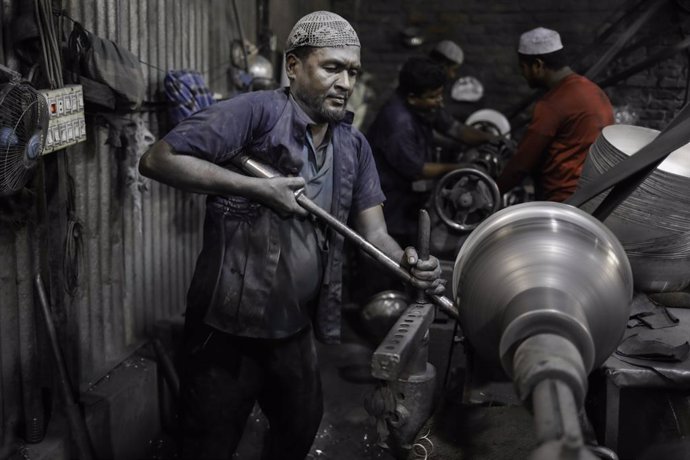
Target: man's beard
317, 105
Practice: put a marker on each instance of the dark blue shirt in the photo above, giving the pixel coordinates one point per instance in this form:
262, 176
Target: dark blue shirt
236, 270
402, 141
303, 246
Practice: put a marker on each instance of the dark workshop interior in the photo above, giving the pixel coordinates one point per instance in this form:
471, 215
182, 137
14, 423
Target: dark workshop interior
344, 230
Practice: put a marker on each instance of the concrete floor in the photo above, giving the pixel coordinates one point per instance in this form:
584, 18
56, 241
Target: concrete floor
347, 432
457, 432
494, 427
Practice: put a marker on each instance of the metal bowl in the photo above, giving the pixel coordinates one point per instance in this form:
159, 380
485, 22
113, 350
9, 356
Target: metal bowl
381, 312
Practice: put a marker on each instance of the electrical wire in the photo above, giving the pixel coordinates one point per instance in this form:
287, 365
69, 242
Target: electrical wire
47, 69
52, 67
72, 258
52, 58
450, 355
420, 450
73, 249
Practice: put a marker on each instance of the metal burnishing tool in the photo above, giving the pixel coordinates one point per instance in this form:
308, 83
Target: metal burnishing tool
260, 170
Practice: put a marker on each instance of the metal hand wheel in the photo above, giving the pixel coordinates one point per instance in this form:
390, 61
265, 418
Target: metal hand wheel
465, 197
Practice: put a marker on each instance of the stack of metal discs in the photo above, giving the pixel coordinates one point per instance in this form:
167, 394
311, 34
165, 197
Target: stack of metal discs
653, 223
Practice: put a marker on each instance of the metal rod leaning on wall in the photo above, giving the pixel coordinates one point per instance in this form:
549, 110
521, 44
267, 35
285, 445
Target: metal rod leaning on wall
168, 368
240, 30
72, 410
257, 169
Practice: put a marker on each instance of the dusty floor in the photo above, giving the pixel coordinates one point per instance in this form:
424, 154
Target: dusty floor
455, 431
494, 427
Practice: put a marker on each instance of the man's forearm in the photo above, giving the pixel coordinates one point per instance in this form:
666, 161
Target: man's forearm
470, 135
432, 170
194, 174
372, 226
388, 245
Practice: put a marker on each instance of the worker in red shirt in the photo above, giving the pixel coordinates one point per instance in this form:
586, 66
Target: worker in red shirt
565, 122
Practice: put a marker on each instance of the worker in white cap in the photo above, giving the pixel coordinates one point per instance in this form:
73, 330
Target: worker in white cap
268, 280
450, 55
565, 122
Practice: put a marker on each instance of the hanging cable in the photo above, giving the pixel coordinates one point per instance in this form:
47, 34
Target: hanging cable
73, 250
450, 355
52, 59
52, 65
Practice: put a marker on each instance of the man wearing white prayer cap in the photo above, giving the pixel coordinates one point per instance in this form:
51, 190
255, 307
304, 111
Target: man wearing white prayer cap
565, 122
456, 134
450, 55
268, 281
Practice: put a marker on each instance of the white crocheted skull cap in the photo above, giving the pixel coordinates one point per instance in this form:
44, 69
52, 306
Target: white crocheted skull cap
450, 50
540, 41
321, 29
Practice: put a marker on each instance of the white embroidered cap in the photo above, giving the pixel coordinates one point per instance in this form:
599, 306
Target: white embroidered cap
450, 50
540, 41
321, 29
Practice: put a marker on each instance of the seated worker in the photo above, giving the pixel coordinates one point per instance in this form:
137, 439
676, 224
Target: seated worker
401, 139
565, 122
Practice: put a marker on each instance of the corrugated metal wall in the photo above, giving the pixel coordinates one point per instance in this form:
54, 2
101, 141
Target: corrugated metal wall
139, 238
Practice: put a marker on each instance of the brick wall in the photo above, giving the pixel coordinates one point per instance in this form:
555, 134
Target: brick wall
488, 32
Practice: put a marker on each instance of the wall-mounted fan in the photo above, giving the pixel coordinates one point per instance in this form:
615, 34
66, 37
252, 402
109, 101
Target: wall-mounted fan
23, 126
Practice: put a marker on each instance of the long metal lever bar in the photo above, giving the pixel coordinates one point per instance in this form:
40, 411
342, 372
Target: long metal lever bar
258, 169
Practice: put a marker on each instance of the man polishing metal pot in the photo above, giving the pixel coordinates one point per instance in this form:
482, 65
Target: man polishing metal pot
268, 279
565, 122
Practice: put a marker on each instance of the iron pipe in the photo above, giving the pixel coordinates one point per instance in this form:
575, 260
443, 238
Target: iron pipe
257, 169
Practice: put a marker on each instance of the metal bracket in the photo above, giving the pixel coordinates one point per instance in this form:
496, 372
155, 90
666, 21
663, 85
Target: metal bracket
403, 340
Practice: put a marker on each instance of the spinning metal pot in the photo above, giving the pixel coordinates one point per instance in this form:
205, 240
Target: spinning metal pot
542, 268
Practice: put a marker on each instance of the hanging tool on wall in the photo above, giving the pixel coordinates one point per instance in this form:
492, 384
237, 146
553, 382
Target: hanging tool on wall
258, 169
74, 417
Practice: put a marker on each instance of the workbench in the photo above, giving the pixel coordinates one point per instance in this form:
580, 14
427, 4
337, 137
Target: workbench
623, 372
